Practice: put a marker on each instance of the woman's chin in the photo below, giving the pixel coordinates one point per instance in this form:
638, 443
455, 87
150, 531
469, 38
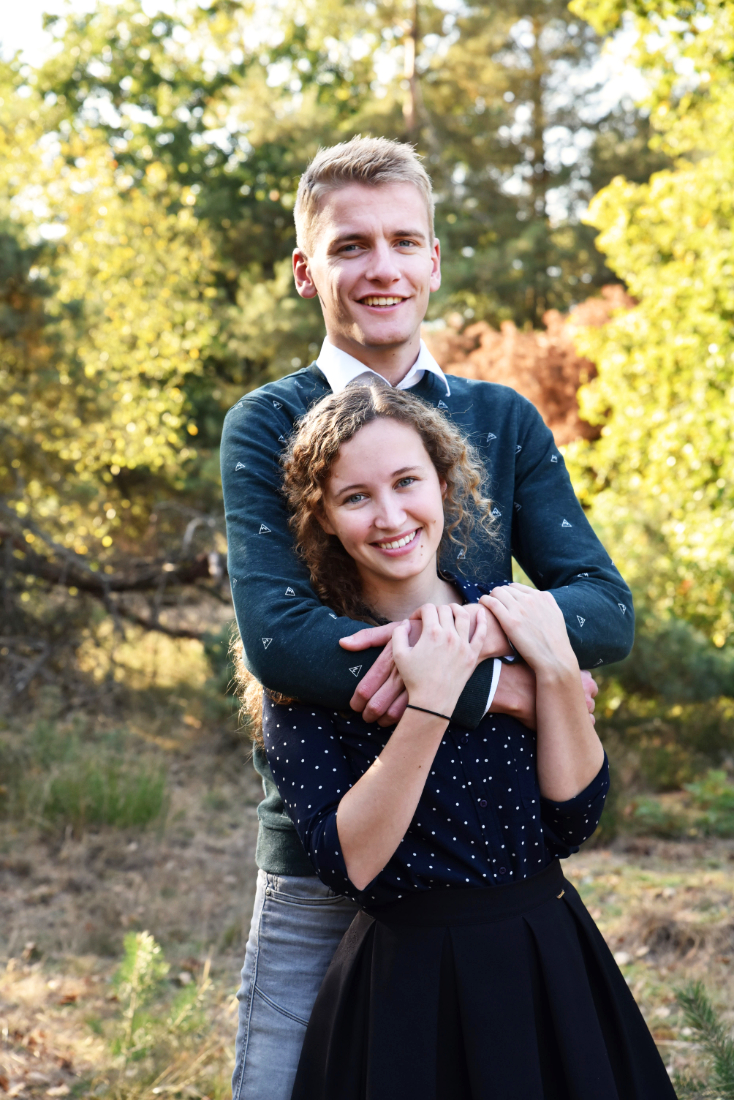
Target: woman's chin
399, 569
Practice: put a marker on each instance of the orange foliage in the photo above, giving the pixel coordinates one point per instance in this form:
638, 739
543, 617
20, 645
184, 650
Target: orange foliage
542, 365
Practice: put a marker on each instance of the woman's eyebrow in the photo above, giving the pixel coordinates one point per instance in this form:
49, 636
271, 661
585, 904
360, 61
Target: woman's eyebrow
362, 485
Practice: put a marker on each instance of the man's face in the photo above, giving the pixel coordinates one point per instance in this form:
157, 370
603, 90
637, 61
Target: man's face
372, 264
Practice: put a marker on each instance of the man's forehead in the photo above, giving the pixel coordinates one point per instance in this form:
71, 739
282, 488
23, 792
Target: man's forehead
357, 209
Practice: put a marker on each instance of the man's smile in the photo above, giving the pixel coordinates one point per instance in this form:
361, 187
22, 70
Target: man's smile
381, 300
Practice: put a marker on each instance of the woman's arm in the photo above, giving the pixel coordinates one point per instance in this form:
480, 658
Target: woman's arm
374, 815
569, 752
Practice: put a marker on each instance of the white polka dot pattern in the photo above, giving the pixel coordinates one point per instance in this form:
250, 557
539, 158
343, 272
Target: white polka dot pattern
481, 820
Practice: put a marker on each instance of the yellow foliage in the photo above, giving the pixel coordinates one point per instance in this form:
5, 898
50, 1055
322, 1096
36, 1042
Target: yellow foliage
661, 477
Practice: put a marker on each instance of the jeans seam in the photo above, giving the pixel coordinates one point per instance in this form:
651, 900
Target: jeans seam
277, 1008
236, 1093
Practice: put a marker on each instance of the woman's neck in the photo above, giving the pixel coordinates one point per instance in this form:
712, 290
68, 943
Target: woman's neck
398, 599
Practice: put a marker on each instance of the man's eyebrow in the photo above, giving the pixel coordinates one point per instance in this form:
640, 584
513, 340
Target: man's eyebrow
346, 238
360, 485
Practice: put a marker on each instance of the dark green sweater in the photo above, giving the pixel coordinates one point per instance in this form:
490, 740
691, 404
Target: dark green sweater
291, 639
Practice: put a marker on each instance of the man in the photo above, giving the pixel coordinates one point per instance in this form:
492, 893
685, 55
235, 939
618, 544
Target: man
366, 249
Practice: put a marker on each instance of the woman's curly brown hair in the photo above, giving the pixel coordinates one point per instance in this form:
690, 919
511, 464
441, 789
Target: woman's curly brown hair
307, 464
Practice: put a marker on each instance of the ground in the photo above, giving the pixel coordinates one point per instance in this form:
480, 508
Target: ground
67, 901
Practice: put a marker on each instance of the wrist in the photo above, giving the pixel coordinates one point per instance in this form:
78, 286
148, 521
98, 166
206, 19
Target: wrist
439, 704
561, 671
428, 712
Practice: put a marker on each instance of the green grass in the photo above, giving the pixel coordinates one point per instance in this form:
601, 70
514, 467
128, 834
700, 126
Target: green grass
105, 792
63, 776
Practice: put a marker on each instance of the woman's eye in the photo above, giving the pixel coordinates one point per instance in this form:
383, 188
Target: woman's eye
405, 482
355, 498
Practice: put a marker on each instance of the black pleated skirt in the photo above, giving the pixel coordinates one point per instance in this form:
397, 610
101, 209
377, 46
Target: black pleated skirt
504, 993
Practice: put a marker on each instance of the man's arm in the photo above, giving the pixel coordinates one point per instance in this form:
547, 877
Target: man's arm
556, 546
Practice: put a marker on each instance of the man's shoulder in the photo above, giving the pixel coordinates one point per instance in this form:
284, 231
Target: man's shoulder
476, 395
292, 394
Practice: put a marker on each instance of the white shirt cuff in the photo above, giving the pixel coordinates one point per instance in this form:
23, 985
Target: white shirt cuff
497, 668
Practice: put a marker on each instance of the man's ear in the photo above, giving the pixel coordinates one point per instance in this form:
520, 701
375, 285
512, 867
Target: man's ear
435, 282
302, 274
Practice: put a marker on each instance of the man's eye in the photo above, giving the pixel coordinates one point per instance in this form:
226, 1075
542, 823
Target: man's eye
406, 244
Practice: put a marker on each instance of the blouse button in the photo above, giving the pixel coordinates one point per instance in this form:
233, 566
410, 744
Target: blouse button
503, 870
482, 802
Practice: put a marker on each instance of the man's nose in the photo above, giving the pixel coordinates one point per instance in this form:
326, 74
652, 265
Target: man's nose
382, 267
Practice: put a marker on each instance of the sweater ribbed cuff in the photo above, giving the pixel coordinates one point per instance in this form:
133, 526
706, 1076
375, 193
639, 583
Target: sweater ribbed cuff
472, 703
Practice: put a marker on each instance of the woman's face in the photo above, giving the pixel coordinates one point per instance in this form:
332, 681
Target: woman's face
384, 502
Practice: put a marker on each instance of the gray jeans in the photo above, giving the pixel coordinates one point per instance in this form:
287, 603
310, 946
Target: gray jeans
297, 924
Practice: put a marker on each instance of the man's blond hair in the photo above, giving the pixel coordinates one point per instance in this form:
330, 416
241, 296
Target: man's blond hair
371, 161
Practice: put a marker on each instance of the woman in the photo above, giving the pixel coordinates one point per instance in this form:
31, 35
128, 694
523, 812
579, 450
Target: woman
473, 969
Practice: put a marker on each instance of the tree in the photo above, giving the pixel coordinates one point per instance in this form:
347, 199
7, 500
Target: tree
106, 309
661, 475
500, 100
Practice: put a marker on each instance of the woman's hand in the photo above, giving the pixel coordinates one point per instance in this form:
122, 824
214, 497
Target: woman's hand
534, 623
437, 667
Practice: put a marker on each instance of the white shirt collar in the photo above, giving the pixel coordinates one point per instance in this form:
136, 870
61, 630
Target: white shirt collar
340, 368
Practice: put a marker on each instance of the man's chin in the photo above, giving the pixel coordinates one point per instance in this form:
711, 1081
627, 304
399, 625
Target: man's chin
382, 337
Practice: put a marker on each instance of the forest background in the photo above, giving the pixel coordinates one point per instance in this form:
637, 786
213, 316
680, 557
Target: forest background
148, 169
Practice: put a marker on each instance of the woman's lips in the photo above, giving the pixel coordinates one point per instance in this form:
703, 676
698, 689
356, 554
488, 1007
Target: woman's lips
402, 544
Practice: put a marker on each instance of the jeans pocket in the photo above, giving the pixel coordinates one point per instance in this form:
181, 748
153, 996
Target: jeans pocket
309, 901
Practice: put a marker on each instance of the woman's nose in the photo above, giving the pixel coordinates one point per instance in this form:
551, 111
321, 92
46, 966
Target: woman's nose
389, 514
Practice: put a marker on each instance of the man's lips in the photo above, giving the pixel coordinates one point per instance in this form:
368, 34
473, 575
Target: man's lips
382, 301
402, 542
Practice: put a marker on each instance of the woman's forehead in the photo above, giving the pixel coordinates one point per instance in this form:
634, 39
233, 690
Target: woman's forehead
379, 450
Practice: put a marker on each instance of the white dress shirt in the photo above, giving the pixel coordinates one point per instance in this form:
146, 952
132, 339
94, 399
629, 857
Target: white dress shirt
339, 368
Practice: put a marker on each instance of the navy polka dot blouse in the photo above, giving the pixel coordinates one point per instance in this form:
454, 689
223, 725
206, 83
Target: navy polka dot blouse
481, 820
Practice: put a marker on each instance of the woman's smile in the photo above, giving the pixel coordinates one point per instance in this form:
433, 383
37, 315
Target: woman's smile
399, 544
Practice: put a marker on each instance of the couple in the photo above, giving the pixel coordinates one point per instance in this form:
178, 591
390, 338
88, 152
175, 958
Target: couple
499, 986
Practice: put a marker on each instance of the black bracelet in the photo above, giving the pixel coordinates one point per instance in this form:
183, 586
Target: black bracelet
409, 706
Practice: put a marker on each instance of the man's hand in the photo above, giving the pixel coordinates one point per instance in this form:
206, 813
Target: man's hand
515, 693
380, 695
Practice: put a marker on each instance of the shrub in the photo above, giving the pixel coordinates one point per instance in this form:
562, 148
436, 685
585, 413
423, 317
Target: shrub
715, 795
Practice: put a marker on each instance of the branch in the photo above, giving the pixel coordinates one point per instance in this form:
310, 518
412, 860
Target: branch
150, 624
139, 576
